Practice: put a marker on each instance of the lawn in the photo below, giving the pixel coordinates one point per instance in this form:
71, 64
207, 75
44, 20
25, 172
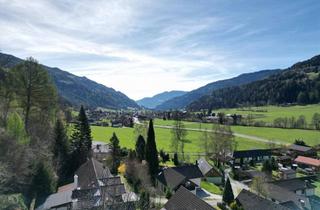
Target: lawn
317, 184
163, 139
311, 137
212, 188
269, 113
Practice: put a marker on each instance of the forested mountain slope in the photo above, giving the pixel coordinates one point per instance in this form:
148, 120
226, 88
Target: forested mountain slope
186, 99
299, 83
79, 90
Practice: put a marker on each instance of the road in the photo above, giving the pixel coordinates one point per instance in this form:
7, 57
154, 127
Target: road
255, 138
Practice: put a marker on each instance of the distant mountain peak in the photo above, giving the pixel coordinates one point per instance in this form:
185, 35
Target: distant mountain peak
152, 102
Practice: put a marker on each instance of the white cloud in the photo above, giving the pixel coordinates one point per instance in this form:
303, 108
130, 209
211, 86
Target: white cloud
139, 47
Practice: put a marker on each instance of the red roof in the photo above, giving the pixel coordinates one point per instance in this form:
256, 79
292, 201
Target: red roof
67, 187
307, 161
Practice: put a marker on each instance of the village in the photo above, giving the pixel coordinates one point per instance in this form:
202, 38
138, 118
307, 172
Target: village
280, 177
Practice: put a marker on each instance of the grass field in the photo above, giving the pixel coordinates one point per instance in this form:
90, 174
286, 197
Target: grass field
163, 139
311, 137
272, 112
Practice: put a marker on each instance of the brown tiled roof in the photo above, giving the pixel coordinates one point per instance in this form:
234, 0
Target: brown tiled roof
307, 161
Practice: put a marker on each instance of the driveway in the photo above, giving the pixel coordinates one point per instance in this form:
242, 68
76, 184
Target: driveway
210, 198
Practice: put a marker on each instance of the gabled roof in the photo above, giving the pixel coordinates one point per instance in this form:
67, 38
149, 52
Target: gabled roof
89, 173
204, 166
189, 171
252, 153
299, 148
294, 184
307, 161
183, 199
283, 195
251, 201
67, 187
171, 178
57, 199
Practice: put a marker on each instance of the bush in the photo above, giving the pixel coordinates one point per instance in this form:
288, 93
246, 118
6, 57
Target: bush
168, 193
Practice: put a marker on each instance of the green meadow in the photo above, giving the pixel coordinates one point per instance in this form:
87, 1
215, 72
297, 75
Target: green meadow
269, 113
163, 139
311, 137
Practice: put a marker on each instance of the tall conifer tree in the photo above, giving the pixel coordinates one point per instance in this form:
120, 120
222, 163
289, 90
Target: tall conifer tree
140, 148
81, 141
228, 196
115, 153
60, 149
151, 151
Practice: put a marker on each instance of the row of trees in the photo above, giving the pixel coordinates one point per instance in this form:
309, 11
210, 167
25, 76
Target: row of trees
300, 123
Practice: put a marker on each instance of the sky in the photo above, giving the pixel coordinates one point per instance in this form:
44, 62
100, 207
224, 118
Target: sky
144, 47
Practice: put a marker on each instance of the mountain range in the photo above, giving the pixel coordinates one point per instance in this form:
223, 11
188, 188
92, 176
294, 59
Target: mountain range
298, 84
184, 100
156, 100
77, 90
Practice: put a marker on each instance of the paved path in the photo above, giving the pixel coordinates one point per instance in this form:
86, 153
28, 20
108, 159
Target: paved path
255, 138
208, 197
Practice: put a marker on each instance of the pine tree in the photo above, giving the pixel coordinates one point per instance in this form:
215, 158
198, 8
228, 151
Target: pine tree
151, 151
140, 148
43, 183
81, 141
60, 150
115, 153
175, 159
228, 196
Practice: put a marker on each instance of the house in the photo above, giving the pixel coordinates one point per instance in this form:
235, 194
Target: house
300, 186
210, 173
287, 173
307, 162
282, 195
183, 199
100, 150
116, 124
172, 178
58, 201
245, 156
298, 150
93, 187
285, 160
250, 201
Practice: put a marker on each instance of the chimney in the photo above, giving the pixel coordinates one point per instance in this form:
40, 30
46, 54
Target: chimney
75, 181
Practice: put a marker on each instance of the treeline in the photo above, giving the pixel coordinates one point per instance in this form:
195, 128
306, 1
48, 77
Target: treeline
35, 153
298, 84
299, 123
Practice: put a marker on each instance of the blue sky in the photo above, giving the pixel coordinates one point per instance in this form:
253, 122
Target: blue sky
143, 47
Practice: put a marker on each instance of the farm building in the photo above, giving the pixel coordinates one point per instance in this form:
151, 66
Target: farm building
298, 150
305, 162
245, 156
